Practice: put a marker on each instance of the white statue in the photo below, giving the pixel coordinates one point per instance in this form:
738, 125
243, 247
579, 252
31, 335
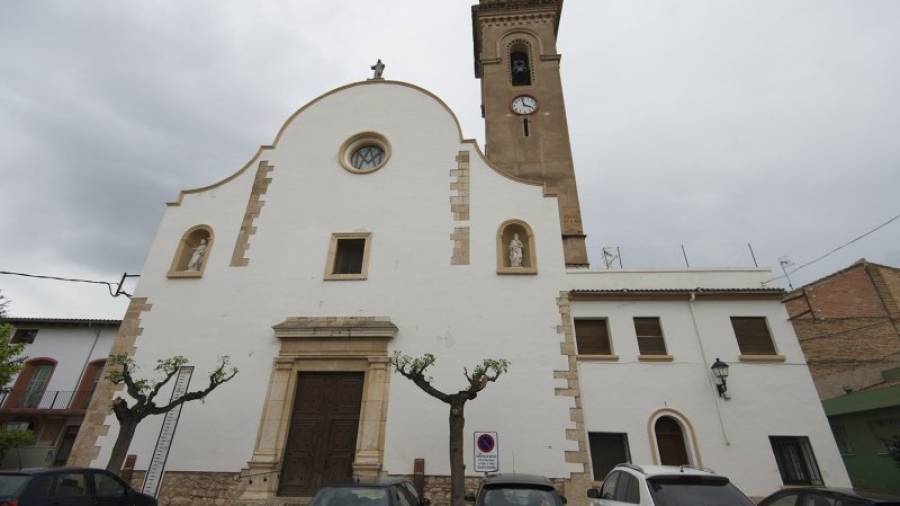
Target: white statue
515, 251
197, 256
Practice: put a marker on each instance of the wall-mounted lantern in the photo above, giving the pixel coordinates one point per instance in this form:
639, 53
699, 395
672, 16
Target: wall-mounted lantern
720, 373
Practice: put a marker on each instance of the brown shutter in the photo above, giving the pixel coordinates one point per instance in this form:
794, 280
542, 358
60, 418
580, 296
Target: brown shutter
592, 337
753, 335
649, 336
607, 450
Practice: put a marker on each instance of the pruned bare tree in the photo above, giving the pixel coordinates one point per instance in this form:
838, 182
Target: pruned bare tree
414, 369
121, 372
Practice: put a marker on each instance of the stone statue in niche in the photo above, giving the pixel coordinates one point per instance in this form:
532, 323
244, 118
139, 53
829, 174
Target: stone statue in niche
515, 251
197, 256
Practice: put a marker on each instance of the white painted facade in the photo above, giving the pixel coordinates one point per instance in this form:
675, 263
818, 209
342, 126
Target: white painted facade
732, 436
461, 313
71, 345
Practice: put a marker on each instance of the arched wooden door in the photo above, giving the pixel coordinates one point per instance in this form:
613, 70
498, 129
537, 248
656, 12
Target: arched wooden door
670, 441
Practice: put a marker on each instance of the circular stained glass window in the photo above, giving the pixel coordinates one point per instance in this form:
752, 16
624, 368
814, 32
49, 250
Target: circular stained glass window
365, 152
368, 157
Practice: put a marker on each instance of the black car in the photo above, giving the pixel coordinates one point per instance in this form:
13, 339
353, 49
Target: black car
68, 487
820, 496
387, 492
517, 490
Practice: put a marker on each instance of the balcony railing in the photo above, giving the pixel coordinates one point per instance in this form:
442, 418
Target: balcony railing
45, 400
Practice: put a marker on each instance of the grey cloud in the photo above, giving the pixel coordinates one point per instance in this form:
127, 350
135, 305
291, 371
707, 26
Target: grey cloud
709, 123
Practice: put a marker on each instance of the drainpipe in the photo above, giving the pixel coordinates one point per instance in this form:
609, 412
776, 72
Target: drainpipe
706, 367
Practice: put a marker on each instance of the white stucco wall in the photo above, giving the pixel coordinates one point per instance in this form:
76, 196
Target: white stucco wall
772, 399
460, 313
72, 347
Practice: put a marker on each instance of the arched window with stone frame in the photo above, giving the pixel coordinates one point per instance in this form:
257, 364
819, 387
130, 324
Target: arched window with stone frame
192, 252
516, 251
521, 71
672, 439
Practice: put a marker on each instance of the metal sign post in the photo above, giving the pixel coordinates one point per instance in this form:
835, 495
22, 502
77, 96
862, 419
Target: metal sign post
487, 452
166, 434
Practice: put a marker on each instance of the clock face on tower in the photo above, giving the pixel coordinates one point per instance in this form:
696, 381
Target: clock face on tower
524, 104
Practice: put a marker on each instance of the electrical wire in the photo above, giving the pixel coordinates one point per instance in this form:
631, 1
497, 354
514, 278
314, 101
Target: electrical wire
114, 289
835, 250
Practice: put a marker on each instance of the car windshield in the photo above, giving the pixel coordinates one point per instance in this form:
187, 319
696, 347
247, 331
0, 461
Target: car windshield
12, 484
350, 496
519, 496
695, 491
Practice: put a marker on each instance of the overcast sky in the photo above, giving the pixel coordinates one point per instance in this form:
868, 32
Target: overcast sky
708, 123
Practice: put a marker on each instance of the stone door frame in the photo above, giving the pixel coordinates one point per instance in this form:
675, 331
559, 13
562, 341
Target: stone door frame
323, 344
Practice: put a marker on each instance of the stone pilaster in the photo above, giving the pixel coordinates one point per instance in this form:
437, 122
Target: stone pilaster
254, 208
85, 449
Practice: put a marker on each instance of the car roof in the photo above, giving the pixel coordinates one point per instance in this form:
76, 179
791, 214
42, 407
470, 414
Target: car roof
46, 470
657, 470
518, 479
860, 494
383, 482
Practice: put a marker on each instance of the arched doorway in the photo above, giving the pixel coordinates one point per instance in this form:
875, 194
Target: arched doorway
670, 441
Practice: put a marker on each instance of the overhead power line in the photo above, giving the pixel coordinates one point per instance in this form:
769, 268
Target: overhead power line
834, 250
115, 289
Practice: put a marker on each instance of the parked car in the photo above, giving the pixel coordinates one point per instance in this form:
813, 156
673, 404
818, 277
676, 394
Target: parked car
68, 487
516, 490
666, 486
386, 492
820, 496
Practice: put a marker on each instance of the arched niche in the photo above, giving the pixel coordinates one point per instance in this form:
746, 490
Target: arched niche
520, 63
192, 253
671, 434
509, 232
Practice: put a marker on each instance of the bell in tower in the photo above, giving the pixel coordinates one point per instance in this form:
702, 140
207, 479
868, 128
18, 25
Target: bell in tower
526, 132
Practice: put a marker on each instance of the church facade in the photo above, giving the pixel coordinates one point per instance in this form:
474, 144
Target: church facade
372, 225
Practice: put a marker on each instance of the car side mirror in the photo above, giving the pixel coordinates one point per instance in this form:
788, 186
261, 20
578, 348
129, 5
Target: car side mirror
426, 502
593, 493
469, 498
563, 499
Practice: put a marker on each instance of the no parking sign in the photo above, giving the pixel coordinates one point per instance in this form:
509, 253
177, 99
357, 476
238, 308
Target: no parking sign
487, 452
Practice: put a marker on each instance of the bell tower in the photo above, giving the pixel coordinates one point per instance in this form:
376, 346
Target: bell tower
527, 135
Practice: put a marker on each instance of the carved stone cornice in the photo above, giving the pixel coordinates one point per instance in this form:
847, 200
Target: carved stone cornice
323, 327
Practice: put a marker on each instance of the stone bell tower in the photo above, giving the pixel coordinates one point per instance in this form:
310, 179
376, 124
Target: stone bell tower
527, 135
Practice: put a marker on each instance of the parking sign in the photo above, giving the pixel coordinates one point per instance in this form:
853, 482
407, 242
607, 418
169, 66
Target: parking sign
487, 452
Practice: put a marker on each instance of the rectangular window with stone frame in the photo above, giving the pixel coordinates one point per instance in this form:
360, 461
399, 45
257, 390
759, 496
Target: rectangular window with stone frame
649, 336
753, 335
348, 256
592, 336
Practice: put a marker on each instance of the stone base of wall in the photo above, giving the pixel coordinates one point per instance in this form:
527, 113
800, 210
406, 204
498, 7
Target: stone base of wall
189, 488
183, 488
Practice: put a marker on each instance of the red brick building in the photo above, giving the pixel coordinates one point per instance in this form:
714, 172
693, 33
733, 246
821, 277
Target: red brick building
848, 324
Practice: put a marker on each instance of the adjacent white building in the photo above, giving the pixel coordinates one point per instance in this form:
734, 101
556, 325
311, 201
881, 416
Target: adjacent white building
371, 225
64, 359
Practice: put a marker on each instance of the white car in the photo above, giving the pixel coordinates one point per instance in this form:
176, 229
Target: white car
666, 486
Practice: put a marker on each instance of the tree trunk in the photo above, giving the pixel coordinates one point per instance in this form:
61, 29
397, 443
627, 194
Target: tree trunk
457, 463
120, 449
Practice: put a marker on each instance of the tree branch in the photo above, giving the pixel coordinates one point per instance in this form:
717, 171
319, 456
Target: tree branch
125, 377
414, 370
219, 376
170, 373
